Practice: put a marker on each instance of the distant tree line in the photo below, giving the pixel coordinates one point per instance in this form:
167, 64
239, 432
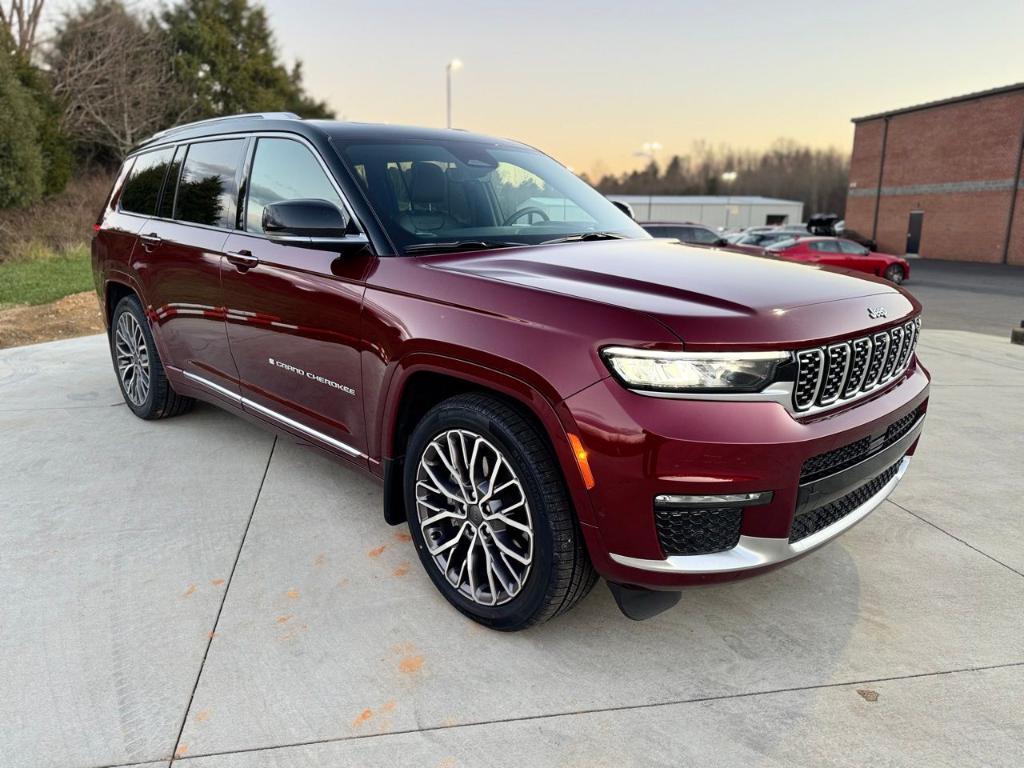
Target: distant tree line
816, 177
108, 77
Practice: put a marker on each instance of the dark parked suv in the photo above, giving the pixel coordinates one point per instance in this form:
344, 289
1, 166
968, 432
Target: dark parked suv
546, 393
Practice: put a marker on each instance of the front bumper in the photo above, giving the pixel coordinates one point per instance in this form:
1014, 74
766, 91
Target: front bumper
642, 447
758, 552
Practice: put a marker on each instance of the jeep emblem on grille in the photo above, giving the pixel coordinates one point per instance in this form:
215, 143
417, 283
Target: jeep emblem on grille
876, 313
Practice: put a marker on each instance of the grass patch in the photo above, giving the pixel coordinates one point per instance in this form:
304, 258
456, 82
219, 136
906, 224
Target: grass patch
45, 276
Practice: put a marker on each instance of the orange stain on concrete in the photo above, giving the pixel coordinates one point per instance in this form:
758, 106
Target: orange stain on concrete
181, 751
410, 664
389, 706
401, 570
211, 635
377, 552
283, 619
190, 591
217, 582
203, 715
402, 536
343, 582
293, 593
320, 560
365, 715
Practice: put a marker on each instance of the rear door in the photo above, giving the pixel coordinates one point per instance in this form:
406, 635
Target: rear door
179, 260
293, 312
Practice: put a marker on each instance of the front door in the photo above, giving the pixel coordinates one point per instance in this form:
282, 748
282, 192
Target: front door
293, 312
914, 232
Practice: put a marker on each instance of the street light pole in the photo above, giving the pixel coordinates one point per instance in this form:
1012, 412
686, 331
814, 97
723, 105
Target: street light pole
452, 66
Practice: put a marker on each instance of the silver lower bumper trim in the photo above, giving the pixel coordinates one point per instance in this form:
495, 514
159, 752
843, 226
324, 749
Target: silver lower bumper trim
757, 552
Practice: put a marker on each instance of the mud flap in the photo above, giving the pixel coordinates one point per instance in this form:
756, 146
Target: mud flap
637, 603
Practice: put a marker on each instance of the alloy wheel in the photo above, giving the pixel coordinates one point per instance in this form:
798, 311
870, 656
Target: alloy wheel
474, 517
132, 358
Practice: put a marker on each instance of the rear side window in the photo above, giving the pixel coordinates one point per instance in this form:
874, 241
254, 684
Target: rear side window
142, 190
703, 236
826, 246
283, 169
207, 189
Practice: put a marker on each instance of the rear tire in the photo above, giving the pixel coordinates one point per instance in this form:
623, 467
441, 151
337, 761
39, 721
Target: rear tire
894, 274
518, 557
140, 373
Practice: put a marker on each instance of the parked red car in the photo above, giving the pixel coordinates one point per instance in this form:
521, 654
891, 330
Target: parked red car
546, 393
839, 252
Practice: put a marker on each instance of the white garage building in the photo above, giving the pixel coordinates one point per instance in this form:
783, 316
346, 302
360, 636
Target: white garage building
725, 212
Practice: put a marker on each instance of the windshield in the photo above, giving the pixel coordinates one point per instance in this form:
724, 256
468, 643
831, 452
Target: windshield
451, 192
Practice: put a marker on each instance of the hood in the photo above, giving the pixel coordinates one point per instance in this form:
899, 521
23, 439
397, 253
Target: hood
704, 296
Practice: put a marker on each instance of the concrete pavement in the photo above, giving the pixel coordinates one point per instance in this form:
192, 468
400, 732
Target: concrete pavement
125, 544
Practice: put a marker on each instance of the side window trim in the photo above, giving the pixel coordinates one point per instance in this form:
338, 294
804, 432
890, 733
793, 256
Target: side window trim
242, 211
252, 137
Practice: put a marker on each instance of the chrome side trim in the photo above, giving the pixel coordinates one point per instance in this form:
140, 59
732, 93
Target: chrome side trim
757, 552
280, 418
223, 391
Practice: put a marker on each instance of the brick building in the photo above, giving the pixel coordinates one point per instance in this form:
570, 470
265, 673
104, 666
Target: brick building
943, 179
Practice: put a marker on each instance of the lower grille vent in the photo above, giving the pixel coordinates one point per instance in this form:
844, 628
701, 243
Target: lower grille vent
811, 522
698, 531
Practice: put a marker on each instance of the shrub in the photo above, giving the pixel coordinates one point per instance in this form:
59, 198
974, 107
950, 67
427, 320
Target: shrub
21, 158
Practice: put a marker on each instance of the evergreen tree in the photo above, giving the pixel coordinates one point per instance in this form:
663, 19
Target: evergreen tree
224, 54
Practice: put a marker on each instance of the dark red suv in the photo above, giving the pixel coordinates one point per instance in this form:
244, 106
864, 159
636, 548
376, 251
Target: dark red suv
546, 393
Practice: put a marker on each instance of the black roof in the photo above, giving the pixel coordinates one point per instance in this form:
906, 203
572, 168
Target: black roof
943, 102
290, 123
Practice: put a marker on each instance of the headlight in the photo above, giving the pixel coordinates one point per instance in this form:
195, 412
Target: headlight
693, 371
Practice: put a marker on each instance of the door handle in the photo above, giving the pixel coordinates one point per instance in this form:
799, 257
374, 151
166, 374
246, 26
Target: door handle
150, 241
242, 259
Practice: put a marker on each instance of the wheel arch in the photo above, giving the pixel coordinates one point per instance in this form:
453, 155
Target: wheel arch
422, 381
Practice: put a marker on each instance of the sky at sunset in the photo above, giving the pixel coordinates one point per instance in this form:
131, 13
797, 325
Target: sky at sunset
589, 82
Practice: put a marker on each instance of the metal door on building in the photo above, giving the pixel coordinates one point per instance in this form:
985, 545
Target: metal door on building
914, 232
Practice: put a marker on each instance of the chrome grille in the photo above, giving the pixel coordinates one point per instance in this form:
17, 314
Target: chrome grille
858, 366
838, 356
846, 370
809, 365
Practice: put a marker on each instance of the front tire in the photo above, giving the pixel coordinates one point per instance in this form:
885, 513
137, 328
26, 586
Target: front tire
894, 274
140, 373
490, 515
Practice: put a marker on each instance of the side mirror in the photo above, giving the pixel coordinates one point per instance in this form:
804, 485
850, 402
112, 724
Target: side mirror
626, 208
312, 223
721, 242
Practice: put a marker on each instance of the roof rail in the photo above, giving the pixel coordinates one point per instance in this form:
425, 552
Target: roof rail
209, 121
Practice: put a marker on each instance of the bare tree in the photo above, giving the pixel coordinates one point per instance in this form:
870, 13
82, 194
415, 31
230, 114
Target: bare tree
114, 77
21, 17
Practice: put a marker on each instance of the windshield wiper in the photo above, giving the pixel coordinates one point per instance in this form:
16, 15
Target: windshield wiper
459, 245
585, 236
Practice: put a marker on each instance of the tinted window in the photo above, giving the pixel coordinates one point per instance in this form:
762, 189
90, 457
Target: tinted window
679, 232
284, 170
207, 189
826, 246
142, 190
703, 236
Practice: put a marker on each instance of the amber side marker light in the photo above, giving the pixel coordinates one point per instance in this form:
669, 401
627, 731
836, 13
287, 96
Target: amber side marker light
581, 460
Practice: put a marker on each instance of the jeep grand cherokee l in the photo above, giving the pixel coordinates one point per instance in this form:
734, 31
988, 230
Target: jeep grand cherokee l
546, 393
